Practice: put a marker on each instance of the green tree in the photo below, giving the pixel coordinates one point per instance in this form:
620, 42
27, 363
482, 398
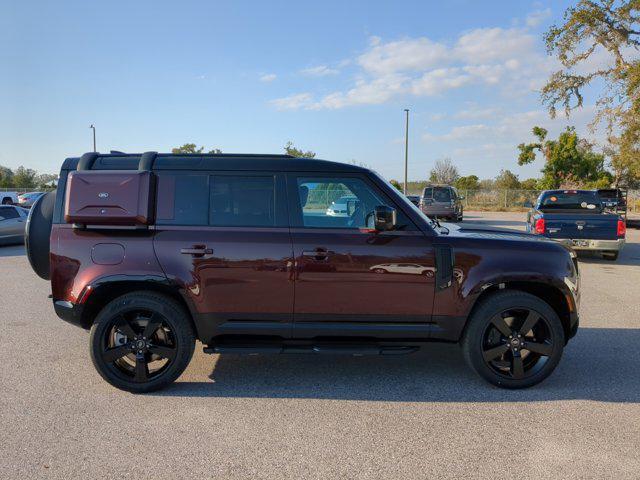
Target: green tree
6, 177
444, 171
507, 180
291, 149
193, 148
44, 180
529, 184
568, 160
470, 182
24, 178
591, 28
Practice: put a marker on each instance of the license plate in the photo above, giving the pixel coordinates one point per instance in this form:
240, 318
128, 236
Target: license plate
580, 243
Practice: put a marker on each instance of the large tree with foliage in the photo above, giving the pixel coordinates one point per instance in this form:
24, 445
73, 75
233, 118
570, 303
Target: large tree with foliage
444, 171
291, 149
591, 28
507, 180
470, 182
568, 160
193, 148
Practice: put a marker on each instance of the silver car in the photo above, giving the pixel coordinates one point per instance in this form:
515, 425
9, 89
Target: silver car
12, 222
28, 199
442, 201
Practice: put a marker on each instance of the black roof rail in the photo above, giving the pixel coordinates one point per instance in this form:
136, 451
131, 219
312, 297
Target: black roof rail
87, 160
146, 161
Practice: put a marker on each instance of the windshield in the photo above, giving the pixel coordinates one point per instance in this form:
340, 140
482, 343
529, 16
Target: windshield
571, 200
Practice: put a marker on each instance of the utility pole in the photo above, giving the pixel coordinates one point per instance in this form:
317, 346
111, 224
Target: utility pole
94, 137
406, 149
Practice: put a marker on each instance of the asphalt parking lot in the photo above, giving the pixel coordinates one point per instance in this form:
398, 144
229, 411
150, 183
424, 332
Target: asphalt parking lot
418, 416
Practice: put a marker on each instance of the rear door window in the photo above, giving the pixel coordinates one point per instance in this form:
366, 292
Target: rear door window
243, 201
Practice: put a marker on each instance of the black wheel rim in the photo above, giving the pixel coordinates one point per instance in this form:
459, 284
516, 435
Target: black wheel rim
517, 343
139, 345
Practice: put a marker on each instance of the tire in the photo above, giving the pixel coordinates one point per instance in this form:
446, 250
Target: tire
611, 256
169, 346
379, 270
7, 201
487, 336
37, 233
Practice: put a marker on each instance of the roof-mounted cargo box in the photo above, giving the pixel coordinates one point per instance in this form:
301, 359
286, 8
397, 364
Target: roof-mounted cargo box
110, 197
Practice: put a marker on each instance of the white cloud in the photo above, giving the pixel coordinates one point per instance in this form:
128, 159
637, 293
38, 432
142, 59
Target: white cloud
536, 18
402, 55
268, 77
508, 59
293, 102
319, 71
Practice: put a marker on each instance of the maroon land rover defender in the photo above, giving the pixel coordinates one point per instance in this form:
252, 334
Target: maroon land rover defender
152, 252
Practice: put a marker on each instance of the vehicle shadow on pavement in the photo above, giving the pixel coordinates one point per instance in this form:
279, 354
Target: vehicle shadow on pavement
12, 250
599, 364
630, 255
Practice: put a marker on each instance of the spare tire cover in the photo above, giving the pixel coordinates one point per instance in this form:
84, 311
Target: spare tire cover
37, 233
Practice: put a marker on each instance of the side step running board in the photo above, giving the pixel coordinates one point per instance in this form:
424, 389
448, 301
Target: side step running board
317, 349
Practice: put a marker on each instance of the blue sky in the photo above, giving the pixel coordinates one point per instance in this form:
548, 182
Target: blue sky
333, 77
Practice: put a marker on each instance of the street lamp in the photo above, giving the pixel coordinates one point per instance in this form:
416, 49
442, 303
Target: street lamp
94, 137
406, 149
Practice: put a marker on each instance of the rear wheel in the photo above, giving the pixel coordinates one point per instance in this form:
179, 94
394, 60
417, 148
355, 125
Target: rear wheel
612, 256
141, 342
513, 340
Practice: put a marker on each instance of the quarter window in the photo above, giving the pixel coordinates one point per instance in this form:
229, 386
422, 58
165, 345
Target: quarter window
183, 199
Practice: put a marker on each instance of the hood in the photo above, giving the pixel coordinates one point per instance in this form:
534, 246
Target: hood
485, 232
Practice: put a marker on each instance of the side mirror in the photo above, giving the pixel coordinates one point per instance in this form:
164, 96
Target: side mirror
384, 218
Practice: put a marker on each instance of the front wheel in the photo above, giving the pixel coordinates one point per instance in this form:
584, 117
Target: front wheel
513, 340
141, 342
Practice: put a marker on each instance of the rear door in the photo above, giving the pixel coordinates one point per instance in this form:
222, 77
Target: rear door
224, 237
348, 277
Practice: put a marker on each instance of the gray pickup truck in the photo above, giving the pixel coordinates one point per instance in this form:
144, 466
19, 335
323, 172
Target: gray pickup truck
577, 218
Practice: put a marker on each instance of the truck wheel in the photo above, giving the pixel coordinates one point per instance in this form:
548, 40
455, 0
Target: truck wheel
513, 340
611, 256
141, 341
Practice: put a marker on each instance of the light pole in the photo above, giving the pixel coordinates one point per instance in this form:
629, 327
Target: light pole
406, 149
94, 137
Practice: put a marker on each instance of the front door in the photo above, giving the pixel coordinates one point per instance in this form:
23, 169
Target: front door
349, 278
224, 238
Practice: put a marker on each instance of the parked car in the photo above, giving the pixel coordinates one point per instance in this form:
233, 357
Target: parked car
412, 268
340, 207
577, 218
415, 199
140, 269
442, 201
12, 223
9, 198
614, 200
26, 200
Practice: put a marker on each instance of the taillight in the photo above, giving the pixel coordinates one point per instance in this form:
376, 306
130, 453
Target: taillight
622, 228
539, 226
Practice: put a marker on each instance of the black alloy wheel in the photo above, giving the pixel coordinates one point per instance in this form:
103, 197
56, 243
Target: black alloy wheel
513, 339
517, 343
142, 341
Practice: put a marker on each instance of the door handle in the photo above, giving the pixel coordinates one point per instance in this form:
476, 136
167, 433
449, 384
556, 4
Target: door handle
197, 251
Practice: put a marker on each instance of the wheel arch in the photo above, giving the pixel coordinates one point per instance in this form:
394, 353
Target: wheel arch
550, 294
106, 291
